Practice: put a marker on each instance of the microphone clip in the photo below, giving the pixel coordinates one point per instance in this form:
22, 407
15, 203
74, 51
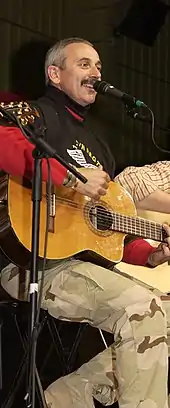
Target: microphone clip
131, 111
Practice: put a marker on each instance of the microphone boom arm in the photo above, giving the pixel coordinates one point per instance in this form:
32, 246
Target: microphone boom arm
146, 119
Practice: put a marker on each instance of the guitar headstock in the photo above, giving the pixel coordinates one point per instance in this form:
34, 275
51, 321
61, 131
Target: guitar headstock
21, 110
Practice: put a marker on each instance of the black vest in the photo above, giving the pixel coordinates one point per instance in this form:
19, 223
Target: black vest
65, 133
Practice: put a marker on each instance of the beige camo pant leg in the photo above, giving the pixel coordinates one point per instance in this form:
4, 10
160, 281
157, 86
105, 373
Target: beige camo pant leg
166, 305
84, 292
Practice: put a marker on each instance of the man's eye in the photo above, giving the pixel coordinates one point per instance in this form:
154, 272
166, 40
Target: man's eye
84, 64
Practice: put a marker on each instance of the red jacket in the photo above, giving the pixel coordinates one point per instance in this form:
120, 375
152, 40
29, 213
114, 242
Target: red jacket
16, 159
16, 156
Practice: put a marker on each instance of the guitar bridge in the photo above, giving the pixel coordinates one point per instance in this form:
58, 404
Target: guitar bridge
52, 211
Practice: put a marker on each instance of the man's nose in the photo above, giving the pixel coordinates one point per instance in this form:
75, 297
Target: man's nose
95, 72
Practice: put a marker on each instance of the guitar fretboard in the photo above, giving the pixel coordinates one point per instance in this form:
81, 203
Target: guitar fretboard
138, 226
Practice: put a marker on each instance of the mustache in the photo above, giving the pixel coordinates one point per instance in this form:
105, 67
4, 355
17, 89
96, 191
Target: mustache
89, 81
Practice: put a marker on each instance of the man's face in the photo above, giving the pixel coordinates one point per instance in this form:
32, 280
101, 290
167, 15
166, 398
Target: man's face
82, 64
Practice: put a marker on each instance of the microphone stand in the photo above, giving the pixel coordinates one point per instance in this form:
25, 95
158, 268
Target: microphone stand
42, 150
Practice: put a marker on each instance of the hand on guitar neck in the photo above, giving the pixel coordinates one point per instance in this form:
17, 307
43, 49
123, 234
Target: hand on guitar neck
97, 183
162, 252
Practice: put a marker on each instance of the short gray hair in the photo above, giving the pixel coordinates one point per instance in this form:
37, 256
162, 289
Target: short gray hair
56, 56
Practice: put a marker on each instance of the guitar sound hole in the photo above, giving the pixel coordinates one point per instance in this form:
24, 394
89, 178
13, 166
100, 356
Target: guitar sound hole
100, 218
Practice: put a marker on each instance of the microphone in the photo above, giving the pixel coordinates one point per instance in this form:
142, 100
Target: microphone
103, 87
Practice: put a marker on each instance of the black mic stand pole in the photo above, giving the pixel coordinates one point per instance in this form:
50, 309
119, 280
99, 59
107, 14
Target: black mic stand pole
41, 145
33, 289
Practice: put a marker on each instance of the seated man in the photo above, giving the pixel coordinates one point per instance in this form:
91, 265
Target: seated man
148, 185
75, 289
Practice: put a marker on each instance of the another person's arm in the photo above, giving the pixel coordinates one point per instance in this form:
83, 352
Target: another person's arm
157, 201
137, 181
143, 185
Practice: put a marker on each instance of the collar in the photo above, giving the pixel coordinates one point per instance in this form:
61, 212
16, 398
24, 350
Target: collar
58, 96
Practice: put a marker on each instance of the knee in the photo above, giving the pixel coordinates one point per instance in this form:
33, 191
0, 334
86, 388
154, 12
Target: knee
144, 300
58, 396
148, 312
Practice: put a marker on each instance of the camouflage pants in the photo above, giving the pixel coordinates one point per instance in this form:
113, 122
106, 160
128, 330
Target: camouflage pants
134, 369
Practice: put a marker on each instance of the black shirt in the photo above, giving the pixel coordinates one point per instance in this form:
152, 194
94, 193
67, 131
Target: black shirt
68, 132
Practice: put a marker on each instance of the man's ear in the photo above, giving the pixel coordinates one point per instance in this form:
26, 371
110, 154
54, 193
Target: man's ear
54, 74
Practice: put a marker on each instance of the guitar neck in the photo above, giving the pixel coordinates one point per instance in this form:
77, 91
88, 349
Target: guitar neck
139, 227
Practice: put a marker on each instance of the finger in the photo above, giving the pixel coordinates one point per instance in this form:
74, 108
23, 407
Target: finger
96, 197
166, 250
106, 176
102, 191
100, 167
167, 229
105, 185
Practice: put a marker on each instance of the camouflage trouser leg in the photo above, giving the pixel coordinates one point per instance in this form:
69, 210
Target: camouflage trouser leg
84, 292
135, 316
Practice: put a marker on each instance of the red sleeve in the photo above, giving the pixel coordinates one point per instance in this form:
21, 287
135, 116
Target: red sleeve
137, 252
16, 156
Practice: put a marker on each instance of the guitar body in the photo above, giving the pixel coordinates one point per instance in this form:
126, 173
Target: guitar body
9, 242
72, 226
76, 224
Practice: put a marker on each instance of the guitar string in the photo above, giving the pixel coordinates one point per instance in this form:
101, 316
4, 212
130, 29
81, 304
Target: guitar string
148, 227
103, 211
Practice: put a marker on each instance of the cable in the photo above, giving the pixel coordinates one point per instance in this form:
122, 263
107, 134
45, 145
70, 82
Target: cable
49, 186
103, 338
153, 133
137, 116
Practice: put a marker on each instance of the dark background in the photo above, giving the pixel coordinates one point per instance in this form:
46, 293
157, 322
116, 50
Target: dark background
134, 45
133, 40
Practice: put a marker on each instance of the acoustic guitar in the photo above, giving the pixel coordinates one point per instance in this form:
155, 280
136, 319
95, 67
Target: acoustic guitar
76, 223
